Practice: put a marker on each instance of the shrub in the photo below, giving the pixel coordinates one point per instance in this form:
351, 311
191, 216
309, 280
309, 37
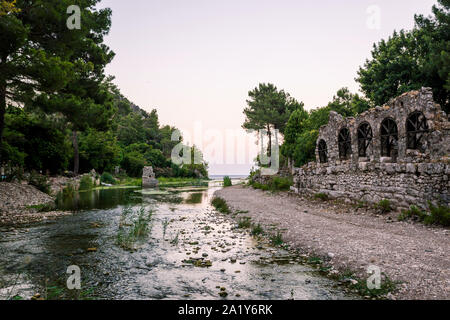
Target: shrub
274, 184
439, 215
321, 196
86, 183
257, 230
276, 239
414, 213
227, 181
244, 223
280, 184
40, 182
384, 206
133, 163
107, 178
260, 186
220, 205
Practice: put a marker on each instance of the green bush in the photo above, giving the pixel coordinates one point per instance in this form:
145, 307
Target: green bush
412, 213
440, 215
384, 206
220, 205
280, 184
86, 183
244, 223
257, 230
133, 163
107, 178
260, 186
39, 181
277, 239
227, 181
274, 184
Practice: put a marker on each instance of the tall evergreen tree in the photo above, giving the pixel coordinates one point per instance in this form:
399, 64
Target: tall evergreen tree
86, 100
409, 60
27, 69
269, 109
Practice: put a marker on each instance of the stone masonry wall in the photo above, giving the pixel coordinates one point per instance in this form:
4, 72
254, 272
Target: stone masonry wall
406, 177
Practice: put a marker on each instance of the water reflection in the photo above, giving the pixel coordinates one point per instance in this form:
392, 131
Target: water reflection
164, 266
99, 199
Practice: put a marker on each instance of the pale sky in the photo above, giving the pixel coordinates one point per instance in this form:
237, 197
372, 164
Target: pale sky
195, 60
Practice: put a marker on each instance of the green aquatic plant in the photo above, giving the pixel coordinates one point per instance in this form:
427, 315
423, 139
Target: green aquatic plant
134, 225
194, 198
175, 240
182, 182
165, 224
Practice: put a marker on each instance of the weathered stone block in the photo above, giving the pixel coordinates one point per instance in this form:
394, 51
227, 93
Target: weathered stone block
148, 178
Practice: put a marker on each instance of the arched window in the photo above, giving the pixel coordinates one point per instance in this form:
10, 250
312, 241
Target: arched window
365, 136
323, 151
345, 144
416, 127
389, 138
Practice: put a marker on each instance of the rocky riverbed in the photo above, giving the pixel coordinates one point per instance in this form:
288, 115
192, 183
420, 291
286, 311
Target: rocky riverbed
21, 203
190, 252
346, 238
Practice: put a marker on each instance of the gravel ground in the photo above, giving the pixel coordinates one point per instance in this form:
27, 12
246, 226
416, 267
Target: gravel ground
416, 255
15, 200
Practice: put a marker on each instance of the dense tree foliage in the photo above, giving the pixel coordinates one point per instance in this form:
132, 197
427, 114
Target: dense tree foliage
302, 129
409, 60
269, 109
58, 110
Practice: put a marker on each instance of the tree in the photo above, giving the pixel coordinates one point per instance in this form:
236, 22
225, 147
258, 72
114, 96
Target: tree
86, 100
434, 33
292, 131
302, 129
99, 150
348, 104
26, 68
269, 109
409, 60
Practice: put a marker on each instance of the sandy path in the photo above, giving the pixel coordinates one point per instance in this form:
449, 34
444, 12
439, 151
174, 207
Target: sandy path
417, 255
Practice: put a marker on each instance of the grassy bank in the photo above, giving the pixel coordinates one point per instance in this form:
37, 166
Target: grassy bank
182, 182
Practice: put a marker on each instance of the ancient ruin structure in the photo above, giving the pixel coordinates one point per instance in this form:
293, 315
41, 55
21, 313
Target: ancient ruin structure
398, 152
148, 178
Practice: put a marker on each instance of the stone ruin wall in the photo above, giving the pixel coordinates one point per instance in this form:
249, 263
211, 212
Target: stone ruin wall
404, 176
